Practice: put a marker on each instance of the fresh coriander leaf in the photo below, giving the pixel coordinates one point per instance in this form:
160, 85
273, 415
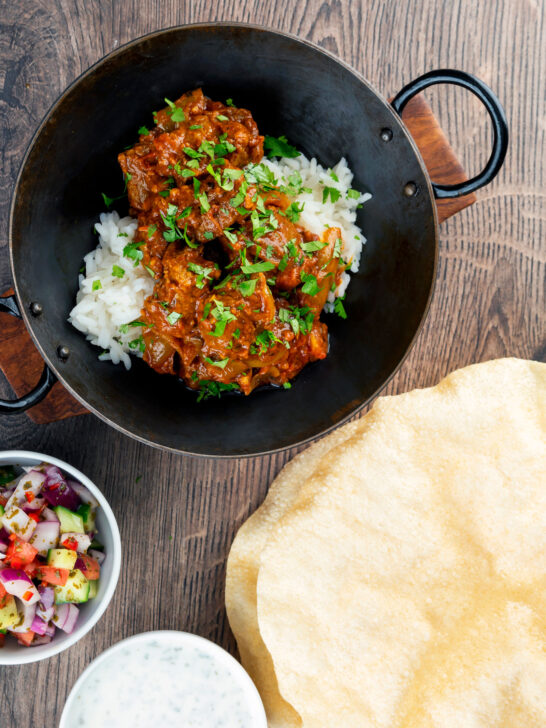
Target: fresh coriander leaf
279, 147
310, 285
192, 153
221, 364
334, 176
108, 201
150, 271
353, 194
313, 246
332, 192
206, 310
96, 285
287, 385
195, 126
229, 102
133, 252
175, 112
151, 230
210, 388
339, 308
144, 131
293, 211
118, 271
221, 117
338, 245
173, 317
247, 288
208, 235
260, 267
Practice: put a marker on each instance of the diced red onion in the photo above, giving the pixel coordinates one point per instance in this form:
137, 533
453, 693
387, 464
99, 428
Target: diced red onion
83, 493
66, 616
34, 505
50, 631
4, 536
58, 492
49, 515
17, 583
47, 596
31, 482
28, 614
98, 555
15, 520
45, 536
38, 625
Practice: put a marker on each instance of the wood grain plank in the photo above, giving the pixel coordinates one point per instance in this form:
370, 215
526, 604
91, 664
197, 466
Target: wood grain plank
489, 298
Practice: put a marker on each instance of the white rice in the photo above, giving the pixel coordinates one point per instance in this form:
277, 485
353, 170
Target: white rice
318, 215
100, 313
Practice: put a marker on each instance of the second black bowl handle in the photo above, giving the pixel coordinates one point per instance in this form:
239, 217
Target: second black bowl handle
494, 108
8, 304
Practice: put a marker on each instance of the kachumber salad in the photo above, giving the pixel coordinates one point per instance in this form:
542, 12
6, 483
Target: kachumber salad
229, 257
50, 555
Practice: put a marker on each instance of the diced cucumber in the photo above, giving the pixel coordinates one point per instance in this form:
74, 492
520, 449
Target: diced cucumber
87, 515
62, 558
96, 545
2, 511
70, 522
8, 612
93, 589
75, 591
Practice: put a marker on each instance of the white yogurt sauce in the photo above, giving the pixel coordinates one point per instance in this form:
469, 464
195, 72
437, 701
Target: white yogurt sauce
153, 683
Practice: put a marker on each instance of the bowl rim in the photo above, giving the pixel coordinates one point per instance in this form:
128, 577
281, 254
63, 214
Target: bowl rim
53, 365
43, 652
218, 653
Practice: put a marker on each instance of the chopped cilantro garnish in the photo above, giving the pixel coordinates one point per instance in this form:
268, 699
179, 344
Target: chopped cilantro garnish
210, 388
118, 271
195, 126
287, 385
331, 192
96, 285
151, 230
206, 310
293, 212
260, 267
192, 153
338, 245
334, 176
137, 344
221, 364
202, 273
150, 271
229, 102
208, 235
248, 287
353, 194
339, 308
133, 252
175, 112
310, 285
144, 131
279, 147
221, 117
223, 316
173, 317
313, 246
109, 201
204, 202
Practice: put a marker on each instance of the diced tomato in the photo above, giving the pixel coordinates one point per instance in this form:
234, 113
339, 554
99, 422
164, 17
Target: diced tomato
26, 638
31, 569
52, 575
2, 638
34, 516
3, 500
90, 568
19, 553
70, 543
3, 595
29, 495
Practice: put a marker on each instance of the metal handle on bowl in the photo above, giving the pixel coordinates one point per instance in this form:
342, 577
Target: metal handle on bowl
494, 108
8, 304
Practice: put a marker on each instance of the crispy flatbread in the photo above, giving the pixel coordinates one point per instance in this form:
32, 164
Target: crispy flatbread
403, 582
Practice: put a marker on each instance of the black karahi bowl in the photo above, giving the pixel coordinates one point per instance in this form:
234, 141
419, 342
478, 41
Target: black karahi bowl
327, 110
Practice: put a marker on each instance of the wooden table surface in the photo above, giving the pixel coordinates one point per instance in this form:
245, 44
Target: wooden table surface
178, 515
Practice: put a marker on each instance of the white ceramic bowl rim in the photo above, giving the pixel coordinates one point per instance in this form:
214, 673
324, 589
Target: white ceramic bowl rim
218, 653
25, 655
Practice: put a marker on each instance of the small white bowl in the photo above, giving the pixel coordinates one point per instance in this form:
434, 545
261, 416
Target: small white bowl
14, 654
177, 639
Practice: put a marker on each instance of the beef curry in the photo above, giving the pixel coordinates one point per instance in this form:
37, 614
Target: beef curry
239, 284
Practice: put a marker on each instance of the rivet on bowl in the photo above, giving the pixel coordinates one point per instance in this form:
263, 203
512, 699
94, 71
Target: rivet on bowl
63, 352
386, 134
36, 308
410, 189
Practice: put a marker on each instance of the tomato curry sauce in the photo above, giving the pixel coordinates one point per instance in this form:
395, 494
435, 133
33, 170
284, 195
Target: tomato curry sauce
240, 285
